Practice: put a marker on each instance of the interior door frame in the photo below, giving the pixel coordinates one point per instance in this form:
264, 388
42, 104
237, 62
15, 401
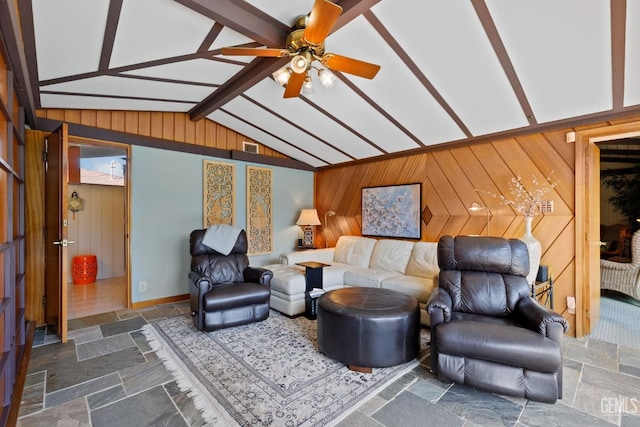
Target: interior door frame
127, 209
587, 236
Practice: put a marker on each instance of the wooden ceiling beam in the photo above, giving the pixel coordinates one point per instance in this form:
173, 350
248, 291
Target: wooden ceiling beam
244, 18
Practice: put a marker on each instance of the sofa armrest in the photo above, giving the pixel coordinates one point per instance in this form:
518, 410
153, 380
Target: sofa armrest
319, 255
439, 307
540, 318
258, 275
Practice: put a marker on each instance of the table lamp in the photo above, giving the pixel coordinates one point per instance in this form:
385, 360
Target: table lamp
307, 220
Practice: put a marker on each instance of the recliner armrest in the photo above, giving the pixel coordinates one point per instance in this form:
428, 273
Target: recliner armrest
539, 318
258, 275
439, 306
200, 281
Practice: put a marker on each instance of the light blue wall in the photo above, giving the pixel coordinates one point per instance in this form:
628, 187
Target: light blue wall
166, 205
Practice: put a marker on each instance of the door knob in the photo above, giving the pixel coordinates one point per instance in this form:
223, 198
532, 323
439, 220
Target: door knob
64, 242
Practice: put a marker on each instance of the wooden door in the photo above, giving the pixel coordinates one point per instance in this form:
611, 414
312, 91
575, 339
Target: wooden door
56, 174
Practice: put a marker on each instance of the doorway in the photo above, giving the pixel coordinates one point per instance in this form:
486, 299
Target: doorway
587, 219
620, 311
98, 224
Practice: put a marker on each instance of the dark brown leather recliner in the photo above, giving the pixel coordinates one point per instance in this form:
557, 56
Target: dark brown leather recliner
486, 329
225, 291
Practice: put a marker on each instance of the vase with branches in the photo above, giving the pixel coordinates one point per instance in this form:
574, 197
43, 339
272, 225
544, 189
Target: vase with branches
527, 200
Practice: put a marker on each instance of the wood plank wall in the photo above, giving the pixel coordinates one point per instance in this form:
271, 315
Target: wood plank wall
99, 229
449, 180
170, 126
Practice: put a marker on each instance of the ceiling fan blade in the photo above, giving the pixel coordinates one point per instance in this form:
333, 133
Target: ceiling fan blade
254, 51
294, 85
350, 65
323, 16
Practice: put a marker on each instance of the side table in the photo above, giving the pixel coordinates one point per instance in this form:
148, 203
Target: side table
543, 292
313, 279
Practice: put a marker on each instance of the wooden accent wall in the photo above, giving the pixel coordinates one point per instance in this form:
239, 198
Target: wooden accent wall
169, 126
450, 178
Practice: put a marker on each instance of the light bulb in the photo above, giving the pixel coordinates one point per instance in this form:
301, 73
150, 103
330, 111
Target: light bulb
307, 87
327, 78
282, 75
299, 64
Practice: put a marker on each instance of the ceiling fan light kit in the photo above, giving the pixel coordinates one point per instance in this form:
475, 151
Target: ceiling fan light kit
305, 44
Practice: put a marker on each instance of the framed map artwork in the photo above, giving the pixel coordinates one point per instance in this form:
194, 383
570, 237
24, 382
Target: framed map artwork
259, 210
219, 181
392, 211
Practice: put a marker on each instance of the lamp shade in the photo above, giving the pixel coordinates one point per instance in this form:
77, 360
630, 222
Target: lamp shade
308, 217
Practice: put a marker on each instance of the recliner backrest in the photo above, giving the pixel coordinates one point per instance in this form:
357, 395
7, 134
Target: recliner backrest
221, 269
483, 275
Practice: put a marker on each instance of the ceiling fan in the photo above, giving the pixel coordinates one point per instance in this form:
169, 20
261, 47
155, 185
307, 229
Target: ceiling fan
305, 44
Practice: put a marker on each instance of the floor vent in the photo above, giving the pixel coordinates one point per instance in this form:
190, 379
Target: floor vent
249, 147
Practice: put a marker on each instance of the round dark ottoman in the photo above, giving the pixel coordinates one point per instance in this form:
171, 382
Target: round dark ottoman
368, 327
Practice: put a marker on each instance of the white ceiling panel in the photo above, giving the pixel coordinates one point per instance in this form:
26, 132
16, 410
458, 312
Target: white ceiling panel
154, 29
196, 70
228, 37
563, 62
447, 42
123, 86
285, 11
345, 104
231, 122
67, 36
102, 103
420, 114
269, 93
276, 126
632, 64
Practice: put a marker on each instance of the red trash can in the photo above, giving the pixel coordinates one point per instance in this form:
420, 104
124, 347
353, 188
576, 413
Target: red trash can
84, 269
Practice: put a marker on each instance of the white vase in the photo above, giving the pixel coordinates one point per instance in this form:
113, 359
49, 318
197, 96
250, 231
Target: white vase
535, 250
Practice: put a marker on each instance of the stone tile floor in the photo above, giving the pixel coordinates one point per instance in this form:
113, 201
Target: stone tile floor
107, 375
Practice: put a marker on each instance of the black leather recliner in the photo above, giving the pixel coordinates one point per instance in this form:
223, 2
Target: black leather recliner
225, 291
486, 329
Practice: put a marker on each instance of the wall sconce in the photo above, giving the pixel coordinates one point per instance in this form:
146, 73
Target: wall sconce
307, 220
326, 223
477, 207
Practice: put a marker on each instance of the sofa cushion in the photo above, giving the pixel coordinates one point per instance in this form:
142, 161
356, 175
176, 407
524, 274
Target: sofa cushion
391, 255
366, 277
354, 250
418, 287
290, 280
424, 260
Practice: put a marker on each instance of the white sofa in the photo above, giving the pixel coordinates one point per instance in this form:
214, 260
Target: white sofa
404, 266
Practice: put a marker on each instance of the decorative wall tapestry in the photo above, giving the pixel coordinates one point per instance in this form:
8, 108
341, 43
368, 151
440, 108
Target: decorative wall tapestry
219, 198
259, 210
392, 211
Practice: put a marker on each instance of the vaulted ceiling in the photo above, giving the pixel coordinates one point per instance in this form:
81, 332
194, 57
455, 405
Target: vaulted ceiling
451, 70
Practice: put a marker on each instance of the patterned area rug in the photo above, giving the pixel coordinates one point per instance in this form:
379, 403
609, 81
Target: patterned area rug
266, 373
